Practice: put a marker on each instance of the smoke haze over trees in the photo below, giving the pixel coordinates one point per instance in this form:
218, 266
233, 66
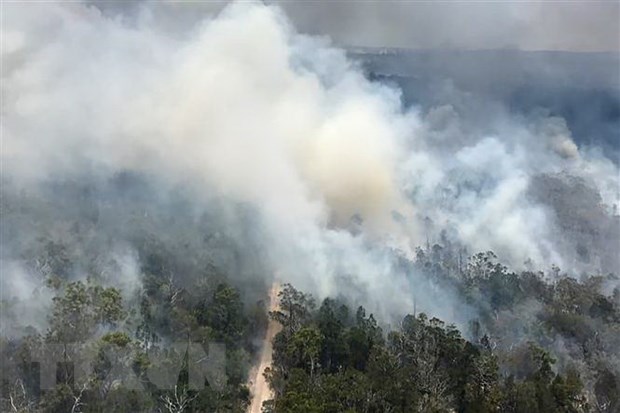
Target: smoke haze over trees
163, 164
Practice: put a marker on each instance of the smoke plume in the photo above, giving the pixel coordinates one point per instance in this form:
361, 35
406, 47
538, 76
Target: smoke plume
339, 179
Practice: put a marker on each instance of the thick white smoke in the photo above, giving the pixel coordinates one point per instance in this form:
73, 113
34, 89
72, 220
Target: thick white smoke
245, 107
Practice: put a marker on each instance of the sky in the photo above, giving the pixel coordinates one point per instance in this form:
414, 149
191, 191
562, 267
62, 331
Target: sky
578, 26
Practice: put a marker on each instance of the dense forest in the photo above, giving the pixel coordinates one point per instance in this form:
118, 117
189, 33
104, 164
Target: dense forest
539, 342
333, 359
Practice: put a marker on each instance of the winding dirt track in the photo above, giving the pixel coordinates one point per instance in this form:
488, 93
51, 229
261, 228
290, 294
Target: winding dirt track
257, 383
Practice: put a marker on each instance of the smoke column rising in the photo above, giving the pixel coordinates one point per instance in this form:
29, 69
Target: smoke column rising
242, 106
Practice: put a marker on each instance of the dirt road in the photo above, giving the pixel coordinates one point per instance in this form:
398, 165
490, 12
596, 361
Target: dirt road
258, 385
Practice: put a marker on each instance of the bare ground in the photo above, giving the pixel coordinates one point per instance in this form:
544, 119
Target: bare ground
258, 385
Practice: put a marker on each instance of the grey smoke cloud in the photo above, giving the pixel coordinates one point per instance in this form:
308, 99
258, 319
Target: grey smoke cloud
243, 108
546, 25
579, 26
